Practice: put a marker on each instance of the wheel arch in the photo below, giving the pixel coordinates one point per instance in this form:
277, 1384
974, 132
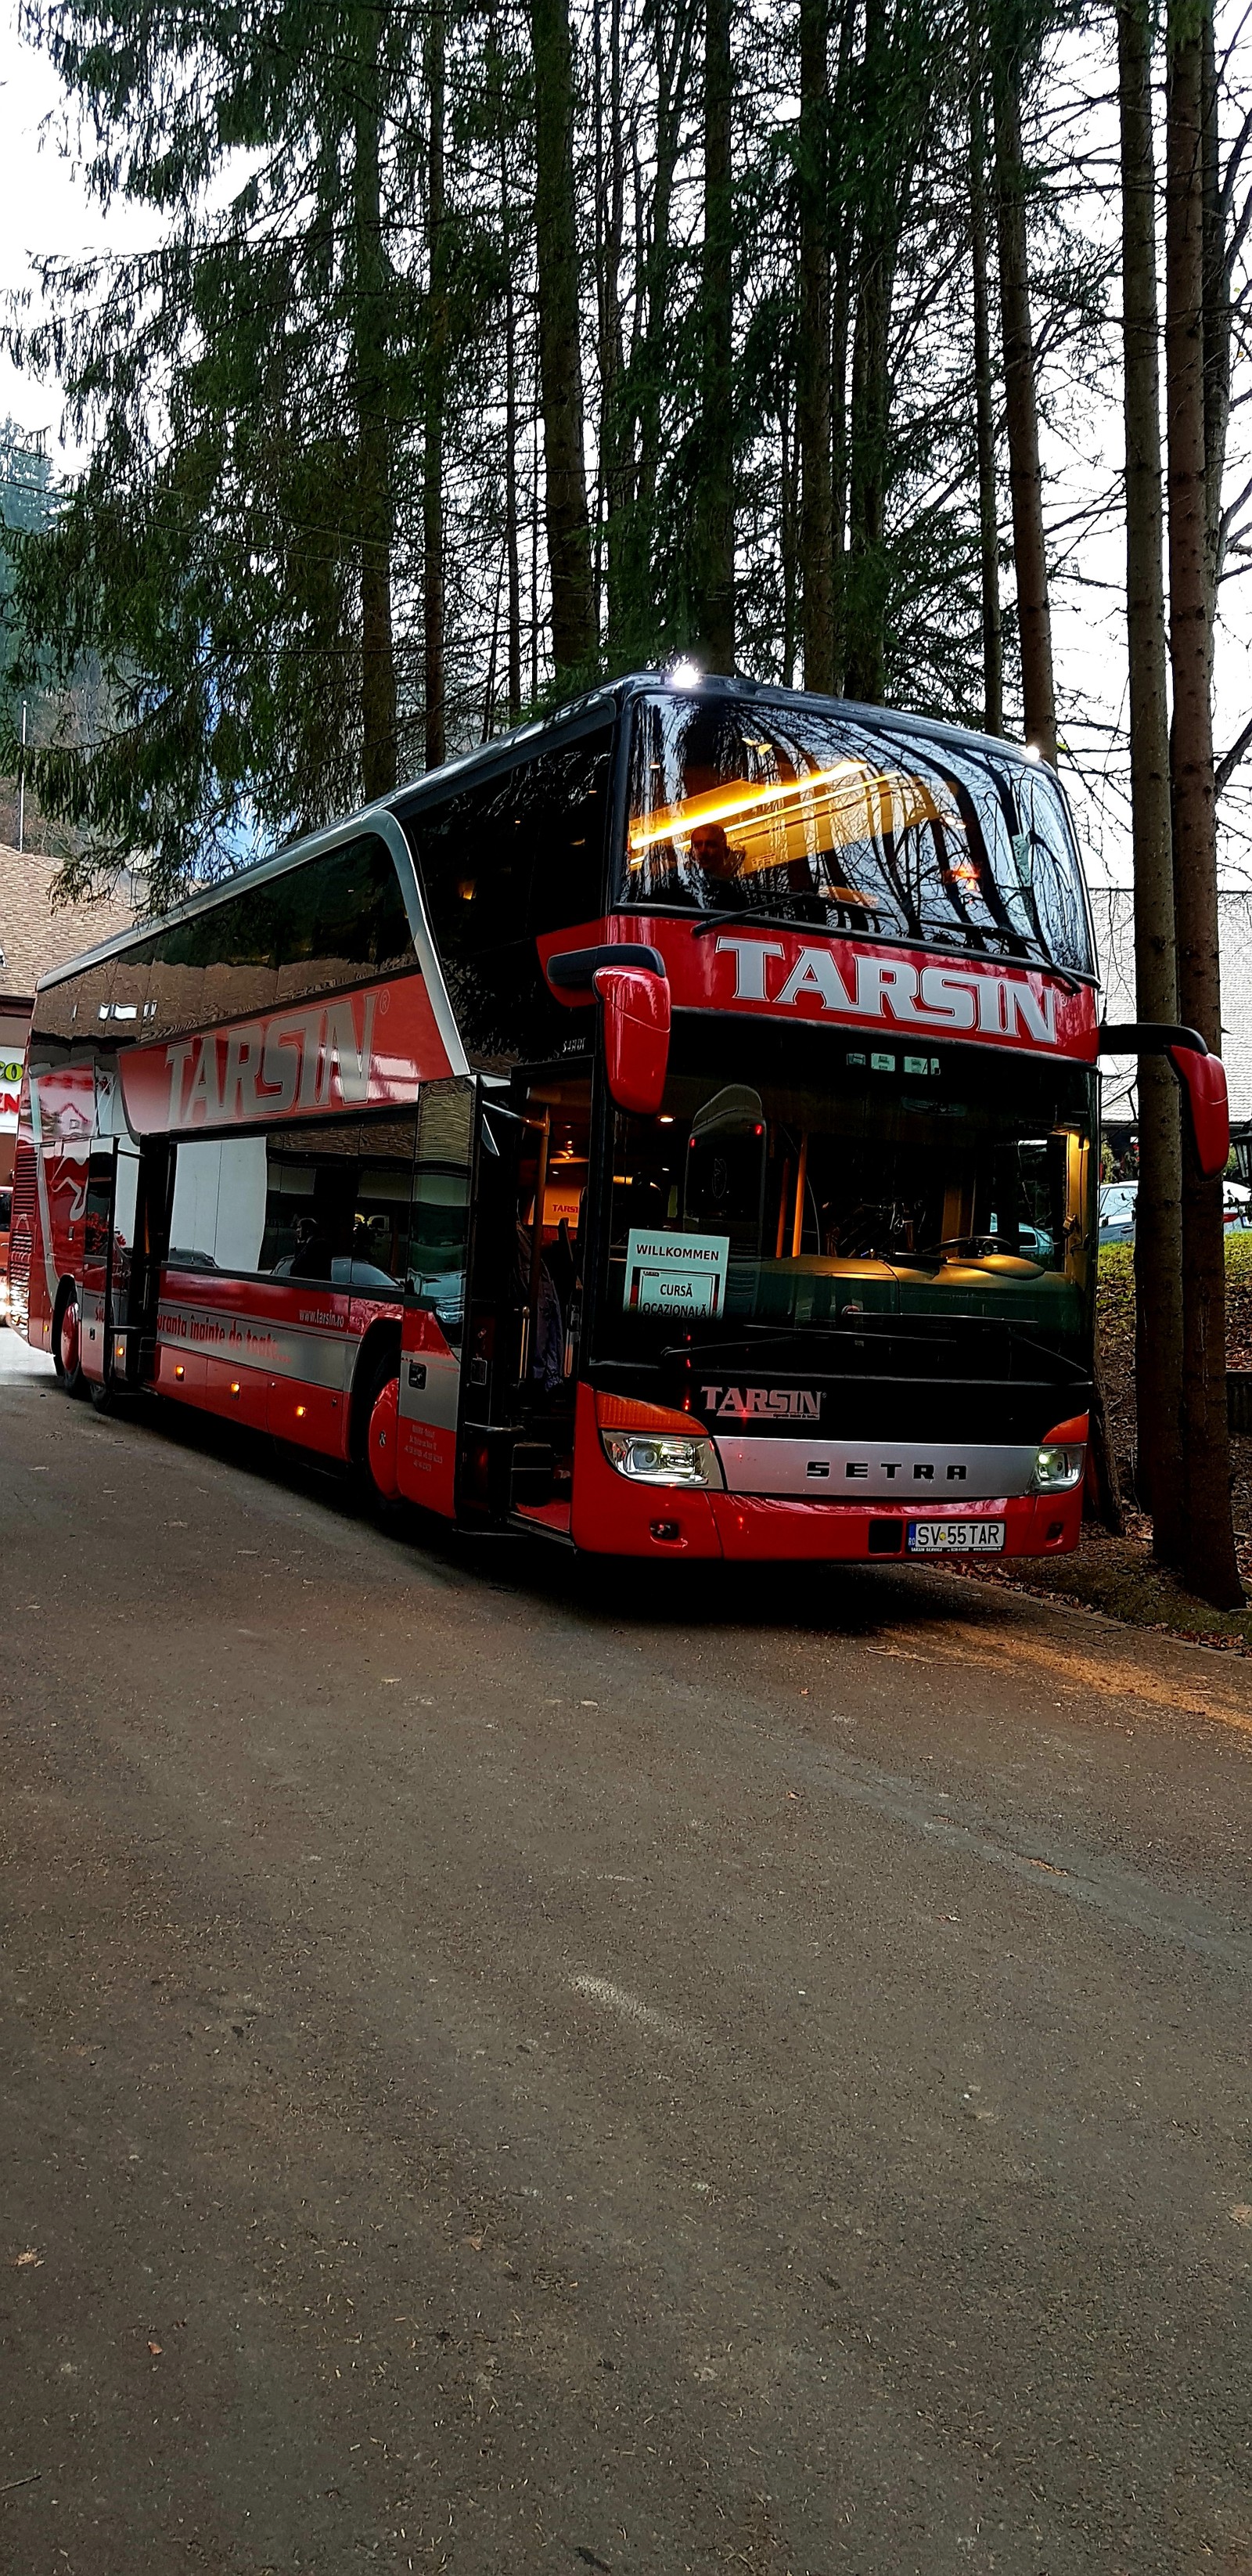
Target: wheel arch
66, 1287
381, 1342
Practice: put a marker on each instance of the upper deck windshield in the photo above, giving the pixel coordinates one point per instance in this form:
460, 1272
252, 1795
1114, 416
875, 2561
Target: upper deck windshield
834, 821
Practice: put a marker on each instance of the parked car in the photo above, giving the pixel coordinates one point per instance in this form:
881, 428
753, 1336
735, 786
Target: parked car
1117, 1211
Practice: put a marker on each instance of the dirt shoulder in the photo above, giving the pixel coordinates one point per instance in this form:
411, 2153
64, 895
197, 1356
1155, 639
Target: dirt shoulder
1117, 1576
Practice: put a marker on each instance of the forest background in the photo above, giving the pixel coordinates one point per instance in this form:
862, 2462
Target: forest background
463, 353
288, 201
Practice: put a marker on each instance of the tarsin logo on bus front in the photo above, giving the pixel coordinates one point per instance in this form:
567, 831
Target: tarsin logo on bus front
949, 1001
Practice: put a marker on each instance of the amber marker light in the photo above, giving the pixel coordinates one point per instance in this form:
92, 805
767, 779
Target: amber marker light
299, 1413
234, 1386
180, 1372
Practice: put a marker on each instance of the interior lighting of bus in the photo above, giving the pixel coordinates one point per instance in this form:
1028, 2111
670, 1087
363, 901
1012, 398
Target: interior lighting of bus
787, 804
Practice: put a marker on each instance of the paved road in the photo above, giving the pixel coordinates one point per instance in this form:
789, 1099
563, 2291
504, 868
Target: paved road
515, 2069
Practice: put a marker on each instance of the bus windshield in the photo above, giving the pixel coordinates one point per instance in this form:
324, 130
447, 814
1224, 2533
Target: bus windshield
849, 825
797, 1189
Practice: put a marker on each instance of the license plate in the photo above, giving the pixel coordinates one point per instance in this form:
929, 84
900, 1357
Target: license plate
947, 1538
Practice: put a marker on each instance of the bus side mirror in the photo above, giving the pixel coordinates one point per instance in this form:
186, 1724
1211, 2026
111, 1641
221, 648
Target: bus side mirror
636, 1035
1202, 1076
1203, 1079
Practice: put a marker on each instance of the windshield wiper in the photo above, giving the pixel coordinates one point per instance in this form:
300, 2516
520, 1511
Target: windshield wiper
760, 912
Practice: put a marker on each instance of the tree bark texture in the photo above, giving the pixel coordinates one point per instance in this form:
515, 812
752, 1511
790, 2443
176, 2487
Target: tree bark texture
433, 583
1021, 413
574, 639
1158, 1216
1208, 1556
813, 360
866, 582
984, 401
1217, 322
713, 585
842, 224
512, 550
615, 455
371, 374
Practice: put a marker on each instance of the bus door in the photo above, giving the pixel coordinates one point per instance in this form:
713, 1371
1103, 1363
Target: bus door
109, 1214
492, 1421
517, 1418
138, 1316
433, 1327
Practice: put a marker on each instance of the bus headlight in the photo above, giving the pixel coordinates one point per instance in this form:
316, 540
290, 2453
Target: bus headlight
662, 1457
1058, 1465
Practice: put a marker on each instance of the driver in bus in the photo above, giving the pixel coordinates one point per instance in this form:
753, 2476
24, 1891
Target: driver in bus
715, 873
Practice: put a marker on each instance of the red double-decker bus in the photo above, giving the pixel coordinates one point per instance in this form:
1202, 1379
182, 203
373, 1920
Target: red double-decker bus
672, 1128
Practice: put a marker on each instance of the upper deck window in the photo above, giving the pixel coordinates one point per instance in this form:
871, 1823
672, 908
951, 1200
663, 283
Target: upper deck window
503, 859
846, 825
332, 920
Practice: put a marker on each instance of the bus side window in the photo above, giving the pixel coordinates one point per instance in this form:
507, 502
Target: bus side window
309, 1201
440, 1209
218, 1210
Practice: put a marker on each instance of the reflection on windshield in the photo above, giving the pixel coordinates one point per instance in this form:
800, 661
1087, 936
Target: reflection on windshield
838, 822
843, 1185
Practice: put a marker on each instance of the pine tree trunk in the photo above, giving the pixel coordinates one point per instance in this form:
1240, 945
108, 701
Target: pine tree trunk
370, 335
866, 583
633, 605
433, 586
1217, 325
984, 403
512, 549
1208, 1556
813, 371
1158, 1218
865, 663
790, 522
574, 639
841, 327
613, 460
713, 584
1021, 412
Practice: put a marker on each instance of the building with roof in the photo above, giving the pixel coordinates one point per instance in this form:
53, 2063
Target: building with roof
33, 938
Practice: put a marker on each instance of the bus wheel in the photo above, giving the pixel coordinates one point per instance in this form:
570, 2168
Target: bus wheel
67, 1353
382, 1439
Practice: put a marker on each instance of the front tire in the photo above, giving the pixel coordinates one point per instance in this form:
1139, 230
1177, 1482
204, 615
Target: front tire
67, 1346
382, 1439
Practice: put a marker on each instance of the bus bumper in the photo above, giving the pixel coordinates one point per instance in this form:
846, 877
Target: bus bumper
758, 1526
612, 1516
